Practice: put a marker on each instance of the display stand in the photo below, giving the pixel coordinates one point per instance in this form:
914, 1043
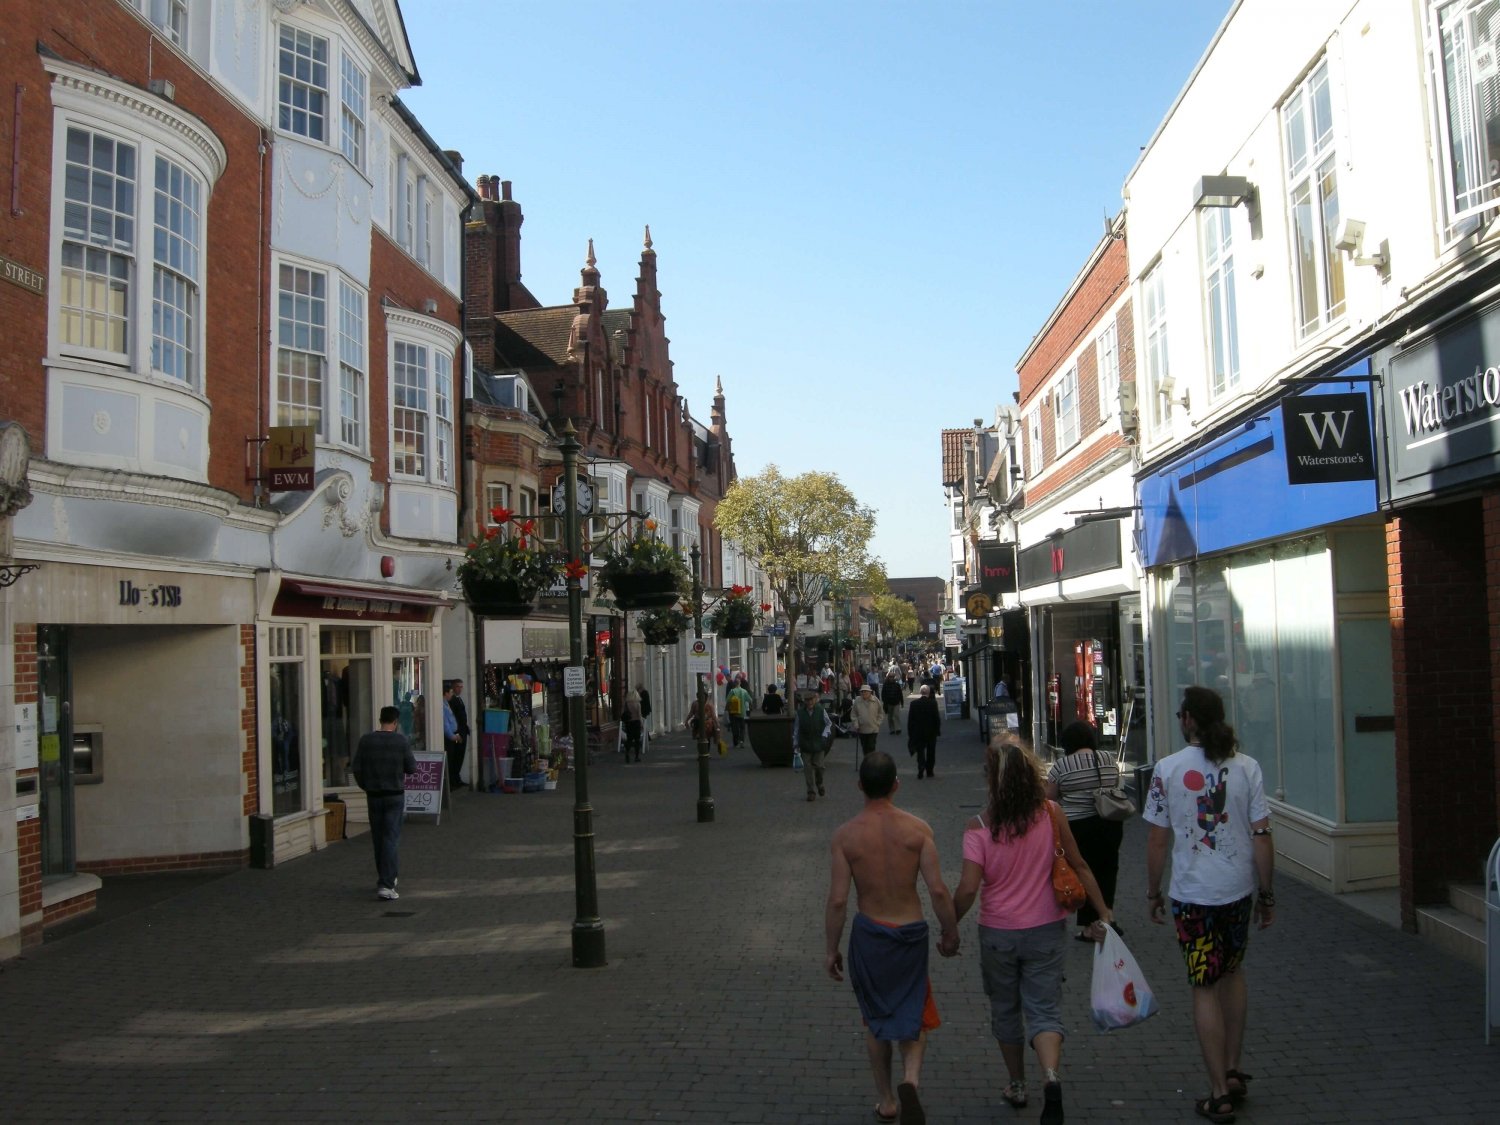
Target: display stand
517, 753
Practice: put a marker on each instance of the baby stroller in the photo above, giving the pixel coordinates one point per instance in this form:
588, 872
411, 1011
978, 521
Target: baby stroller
842, 718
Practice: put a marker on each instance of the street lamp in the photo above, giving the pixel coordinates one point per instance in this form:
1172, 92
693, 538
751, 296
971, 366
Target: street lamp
705, 797
588, 927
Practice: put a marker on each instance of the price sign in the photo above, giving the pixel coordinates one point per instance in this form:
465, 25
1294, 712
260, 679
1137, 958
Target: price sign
424, 789
574, 683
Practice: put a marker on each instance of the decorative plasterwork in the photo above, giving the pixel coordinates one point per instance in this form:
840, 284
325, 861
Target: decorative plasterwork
398, 319
79, 88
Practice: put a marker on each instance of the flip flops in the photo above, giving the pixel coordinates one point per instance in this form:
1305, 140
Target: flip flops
911, 1105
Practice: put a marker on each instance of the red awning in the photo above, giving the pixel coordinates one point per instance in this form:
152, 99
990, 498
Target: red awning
369, 593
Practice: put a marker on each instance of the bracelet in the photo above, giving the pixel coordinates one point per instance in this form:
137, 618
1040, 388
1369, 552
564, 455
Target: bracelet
1265, 898
1260, 831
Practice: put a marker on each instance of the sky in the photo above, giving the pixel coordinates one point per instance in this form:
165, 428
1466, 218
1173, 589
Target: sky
863, 211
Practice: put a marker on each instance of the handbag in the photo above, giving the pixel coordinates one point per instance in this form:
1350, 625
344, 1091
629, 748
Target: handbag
1065, 882
1113, 803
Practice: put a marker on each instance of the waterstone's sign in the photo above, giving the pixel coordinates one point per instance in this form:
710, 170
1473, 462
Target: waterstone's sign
1327, 438
1440, 409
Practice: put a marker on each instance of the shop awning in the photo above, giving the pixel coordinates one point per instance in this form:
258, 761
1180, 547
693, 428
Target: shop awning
367, 593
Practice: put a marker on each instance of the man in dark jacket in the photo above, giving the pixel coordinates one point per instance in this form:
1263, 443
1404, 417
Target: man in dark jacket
892, 696
924, 722
812, 733
381, 762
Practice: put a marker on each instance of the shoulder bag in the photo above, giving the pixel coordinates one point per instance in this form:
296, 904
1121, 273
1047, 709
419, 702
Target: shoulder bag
1065, 882
1113, 803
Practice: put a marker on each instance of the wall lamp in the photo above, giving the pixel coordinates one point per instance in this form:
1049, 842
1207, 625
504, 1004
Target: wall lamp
1223, 191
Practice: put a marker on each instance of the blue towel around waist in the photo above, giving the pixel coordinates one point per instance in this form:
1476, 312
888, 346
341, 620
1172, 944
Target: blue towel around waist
888, 969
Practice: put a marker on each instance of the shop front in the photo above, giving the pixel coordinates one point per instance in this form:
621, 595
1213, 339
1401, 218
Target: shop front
1081, 590
331, 654
131, 736
1438, 421
1266, 581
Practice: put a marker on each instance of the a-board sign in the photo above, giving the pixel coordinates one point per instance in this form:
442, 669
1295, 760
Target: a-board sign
424, 789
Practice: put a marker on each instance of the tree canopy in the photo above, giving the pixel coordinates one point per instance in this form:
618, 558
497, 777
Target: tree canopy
805, 532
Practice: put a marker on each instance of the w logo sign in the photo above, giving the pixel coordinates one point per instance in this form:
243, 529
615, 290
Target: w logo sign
1327, 438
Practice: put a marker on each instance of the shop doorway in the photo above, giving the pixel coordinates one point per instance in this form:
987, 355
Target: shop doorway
346, 697
55, 751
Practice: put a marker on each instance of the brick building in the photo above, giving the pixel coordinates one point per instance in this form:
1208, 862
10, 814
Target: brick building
228, 243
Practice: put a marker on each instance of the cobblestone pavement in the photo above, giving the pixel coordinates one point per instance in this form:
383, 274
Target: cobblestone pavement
294, 995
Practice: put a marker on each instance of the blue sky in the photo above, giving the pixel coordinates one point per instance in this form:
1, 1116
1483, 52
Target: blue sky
862, 210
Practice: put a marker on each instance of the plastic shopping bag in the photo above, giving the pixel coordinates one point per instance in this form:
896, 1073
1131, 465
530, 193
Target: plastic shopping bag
1119, 996
796, 759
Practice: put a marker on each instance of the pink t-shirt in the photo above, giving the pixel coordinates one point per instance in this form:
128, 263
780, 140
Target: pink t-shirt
1016, 892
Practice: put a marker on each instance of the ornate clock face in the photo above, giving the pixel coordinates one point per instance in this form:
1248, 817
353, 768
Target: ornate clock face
583, 491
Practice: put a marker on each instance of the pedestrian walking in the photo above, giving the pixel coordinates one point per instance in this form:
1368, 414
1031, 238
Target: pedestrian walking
382, 760
924, 722
1008, 852
812, 734
632, 722
738, 706
1071, 782
772, 703
892, 697
867, 713
1207, 808
706, 730
882, 850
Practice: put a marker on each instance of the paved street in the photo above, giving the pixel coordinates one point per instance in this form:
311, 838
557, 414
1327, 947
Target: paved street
294, 995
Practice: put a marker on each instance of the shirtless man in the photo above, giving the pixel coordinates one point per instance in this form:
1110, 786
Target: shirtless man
882, 850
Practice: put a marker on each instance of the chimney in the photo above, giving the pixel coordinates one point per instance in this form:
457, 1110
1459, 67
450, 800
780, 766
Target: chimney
508, 252
456, 159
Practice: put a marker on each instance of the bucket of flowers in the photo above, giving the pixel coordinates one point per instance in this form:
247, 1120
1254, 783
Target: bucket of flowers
662, 626
641, 571
505, 568
737, 615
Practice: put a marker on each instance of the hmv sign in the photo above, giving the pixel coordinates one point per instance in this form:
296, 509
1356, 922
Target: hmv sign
997, 568
1327, 438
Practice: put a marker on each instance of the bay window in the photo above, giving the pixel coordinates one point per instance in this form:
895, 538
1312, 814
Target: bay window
422, 412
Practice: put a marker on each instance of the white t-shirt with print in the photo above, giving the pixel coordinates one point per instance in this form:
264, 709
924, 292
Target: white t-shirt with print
1209, 809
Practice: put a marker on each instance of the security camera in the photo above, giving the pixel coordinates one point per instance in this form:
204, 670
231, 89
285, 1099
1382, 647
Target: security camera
1351, 236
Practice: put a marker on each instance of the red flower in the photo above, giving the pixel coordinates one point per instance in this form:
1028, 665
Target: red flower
529, 527
575, 569
491, 532
520, 542
765, 607
500, 514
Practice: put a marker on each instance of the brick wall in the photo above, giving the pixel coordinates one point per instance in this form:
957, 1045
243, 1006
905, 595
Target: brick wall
1442, 605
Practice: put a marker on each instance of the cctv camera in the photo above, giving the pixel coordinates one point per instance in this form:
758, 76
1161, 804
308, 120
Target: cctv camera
1351, 236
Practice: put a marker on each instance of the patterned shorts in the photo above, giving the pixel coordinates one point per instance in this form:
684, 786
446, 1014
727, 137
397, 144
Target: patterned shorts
1212, 938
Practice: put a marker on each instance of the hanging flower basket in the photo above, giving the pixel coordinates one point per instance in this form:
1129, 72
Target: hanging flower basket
505, 569
737, 615
642, 571
662, 626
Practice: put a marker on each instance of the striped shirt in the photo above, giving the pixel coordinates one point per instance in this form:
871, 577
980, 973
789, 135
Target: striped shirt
1076, 779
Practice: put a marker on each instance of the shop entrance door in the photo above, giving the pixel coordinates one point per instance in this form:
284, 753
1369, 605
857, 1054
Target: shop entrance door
346, 696
55, 749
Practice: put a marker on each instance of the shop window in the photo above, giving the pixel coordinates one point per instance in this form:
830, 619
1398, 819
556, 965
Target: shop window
285, 645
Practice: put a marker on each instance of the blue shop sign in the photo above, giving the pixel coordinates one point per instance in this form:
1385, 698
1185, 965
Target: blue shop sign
1234, 491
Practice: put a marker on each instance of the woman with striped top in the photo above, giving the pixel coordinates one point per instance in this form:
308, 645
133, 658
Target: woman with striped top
1071, 782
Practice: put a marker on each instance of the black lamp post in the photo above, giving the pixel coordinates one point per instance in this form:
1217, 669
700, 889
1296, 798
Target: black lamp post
588, 927
705, 796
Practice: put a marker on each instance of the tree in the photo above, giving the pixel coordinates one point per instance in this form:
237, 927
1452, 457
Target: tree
805, 532
897, 614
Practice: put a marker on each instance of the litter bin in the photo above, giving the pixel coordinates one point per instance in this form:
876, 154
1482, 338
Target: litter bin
336, 812
262, 841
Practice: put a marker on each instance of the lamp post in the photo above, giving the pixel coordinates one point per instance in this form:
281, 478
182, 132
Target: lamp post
588, 927
705, 796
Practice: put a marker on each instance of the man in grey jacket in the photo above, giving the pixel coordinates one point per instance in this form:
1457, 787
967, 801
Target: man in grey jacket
381, 762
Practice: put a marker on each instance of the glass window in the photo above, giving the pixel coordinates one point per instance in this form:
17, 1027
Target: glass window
1034, 450
168, 15
1313, 202
352, 112
1066, 399
302, 91
287, 658
301, 346
1469, 109
1219, 302
1154, 330
410, 410
1107, 355
351, 366
174, 303
346, 698
1304, 663
442, 383
98, 250
496, 495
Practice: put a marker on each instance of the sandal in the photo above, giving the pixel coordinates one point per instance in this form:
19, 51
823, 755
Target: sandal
1218, 1110
887, 1120
1015, 1093
1239, 1084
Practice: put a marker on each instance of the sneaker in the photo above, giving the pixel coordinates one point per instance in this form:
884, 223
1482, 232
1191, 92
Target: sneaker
812, 796
387, 893
821, 792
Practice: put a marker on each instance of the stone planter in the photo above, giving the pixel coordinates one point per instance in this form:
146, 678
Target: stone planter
770, 738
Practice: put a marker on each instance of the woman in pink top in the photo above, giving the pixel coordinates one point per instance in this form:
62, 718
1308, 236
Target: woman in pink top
1008, 866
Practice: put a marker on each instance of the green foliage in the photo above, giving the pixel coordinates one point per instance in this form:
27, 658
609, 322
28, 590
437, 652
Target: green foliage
641, 552
511, 552
737, 613
662, 626
898, 615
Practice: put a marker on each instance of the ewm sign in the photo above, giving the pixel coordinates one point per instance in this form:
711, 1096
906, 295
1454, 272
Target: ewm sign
1327, 438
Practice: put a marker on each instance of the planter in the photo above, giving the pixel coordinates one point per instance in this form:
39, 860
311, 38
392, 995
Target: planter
770, 738
661, 638
648, 590
499, 597
738, 630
